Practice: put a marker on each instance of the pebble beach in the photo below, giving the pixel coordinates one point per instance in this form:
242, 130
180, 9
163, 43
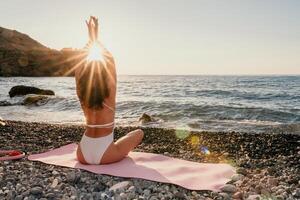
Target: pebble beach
267, 165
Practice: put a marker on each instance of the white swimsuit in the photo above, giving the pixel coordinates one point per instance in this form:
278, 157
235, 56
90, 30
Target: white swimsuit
93, 148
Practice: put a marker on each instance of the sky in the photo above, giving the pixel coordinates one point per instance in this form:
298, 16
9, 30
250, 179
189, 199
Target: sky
178, 37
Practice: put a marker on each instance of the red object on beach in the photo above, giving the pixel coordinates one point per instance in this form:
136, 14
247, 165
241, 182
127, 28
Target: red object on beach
11, 155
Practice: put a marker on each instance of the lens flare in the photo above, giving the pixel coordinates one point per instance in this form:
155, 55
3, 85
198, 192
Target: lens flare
204, 150
195, 141
95, 53
182, 134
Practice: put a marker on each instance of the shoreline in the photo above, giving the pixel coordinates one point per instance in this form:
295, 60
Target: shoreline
268, 164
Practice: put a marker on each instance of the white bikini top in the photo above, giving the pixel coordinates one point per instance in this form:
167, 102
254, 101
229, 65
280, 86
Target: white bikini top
108, 125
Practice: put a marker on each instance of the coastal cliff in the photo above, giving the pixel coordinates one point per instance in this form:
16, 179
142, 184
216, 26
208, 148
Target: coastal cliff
20, 55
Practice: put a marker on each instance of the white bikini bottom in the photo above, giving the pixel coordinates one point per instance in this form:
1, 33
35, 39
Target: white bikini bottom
93, 148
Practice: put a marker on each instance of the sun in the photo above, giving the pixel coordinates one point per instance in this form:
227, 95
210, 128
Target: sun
95, 53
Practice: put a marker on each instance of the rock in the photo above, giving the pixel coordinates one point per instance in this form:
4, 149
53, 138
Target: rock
99, 187
21, 90
279, 197
50, 195
121, 186
297, 193
237, 195
73, 197
228, 188
123, 196
36, 190
254, 197
225, 196
146, 193
54, 172
72, 177
18, 187
54, 183
19, 197
241, 170
272, 181
179, 195
36, 100
2, 123
237, 177
145, 118
132, 189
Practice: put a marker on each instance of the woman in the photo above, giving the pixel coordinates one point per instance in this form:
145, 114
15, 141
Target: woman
96, 89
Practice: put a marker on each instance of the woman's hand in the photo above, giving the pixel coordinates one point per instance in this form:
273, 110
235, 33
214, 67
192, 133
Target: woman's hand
92, 25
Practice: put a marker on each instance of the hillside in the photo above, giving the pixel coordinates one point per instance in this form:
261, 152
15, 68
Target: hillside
20, 55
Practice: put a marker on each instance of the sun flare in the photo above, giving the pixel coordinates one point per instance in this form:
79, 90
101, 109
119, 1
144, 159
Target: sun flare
95, 53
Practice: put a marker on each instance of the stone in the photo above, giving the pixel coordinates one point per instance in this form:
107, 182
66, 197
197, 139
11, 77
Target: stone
54, 172
297, 193
73, 197
279, 197
132, 189
21, 90
123, 196
19, 197
272, 181
36, 190
72, 177
225, 196
241, 170
121, 186
179, 195
35, 99
54, 183
50, 195
254, 197
237, 177
146, 193
145, 118
237, 195
229, 188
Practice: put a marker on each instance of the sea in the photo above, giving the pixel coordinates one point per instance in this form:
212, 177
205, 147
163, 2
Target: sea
256, 104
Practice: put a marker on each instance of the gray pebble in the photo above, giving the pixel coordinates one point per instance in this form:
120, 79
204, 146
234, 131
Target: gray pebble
50, 195
228, 188
132, 189
19, 197
36, 190
123, 195
237, 177
146, 193
254, 197
225, 196
121, 186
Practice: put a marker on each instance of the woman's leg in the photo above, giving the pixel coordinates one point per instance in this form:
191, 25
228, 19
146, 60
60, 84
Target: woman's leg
128, 142
118, 150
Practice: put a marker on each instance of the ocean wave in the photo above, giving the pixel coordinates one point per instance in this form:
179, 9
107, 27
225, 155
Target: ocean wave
175, 111
212, 103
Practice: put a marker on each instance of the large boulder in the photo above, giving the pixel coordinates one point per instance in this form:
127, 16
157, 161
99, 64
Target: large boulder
21, 90
35, 100
145, 118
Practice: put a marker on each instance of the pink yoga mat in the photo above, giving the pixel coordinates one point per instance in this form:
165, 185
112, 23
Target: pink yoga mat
154, 167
